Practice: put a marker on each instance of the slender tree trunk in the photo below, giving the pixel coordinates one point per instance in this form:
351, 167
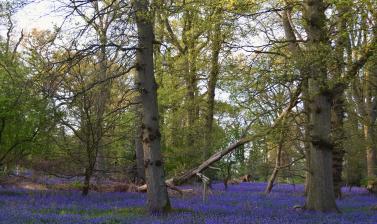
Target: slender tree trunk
88, 144
320, 187
102, 97
89, 171
306, 135
369, 127
338, 139
158, 199
191, 82
338, 109
271, 180
139, 152
87, 177
371, 155
274, 174
212, 81
94, 131
228, 174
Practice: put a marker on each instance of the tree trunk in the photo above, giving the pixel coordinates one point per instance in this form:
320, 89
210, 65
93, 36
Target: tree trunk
158, 199
86, 187
101, 99
88, 144
306, 133
139, 152
338, 111
212, 81
228, 174
369, 125
320, 186
271, 181
371, 155
274, 174
192, 88
338, 139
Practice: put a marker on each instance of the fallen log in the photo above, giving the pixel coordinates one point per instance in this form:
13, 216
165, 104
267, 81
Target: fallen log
143, 188
245, 178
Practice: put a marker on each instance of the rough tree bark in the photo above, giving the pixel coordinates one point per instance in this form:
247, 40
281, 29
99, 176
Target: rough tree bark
320, 186
158, 199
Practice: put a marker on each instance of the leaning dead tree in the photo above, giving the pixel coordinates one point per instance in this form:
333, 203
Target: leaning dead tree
244, 140
214, 158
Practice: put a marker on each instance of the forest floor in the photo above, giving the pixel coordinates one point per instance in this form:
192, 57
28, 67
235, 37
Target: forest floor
242, 203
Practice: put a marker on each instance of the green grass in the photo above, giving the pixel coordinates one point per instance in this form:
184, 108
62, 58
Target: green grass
11, 193
121, 212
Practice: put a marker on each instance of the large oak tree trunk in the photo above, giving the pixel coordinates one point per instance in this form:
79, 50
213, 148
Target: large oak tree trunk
320, 186
158, 199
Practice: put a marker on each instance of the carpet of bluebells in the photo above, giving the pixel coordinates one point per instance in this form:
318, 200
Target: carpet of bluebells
243, 203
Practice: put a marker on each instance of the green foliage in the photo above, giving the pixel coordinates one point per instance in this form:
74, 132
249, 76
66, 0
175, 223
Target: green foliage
24, 113
254, 84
